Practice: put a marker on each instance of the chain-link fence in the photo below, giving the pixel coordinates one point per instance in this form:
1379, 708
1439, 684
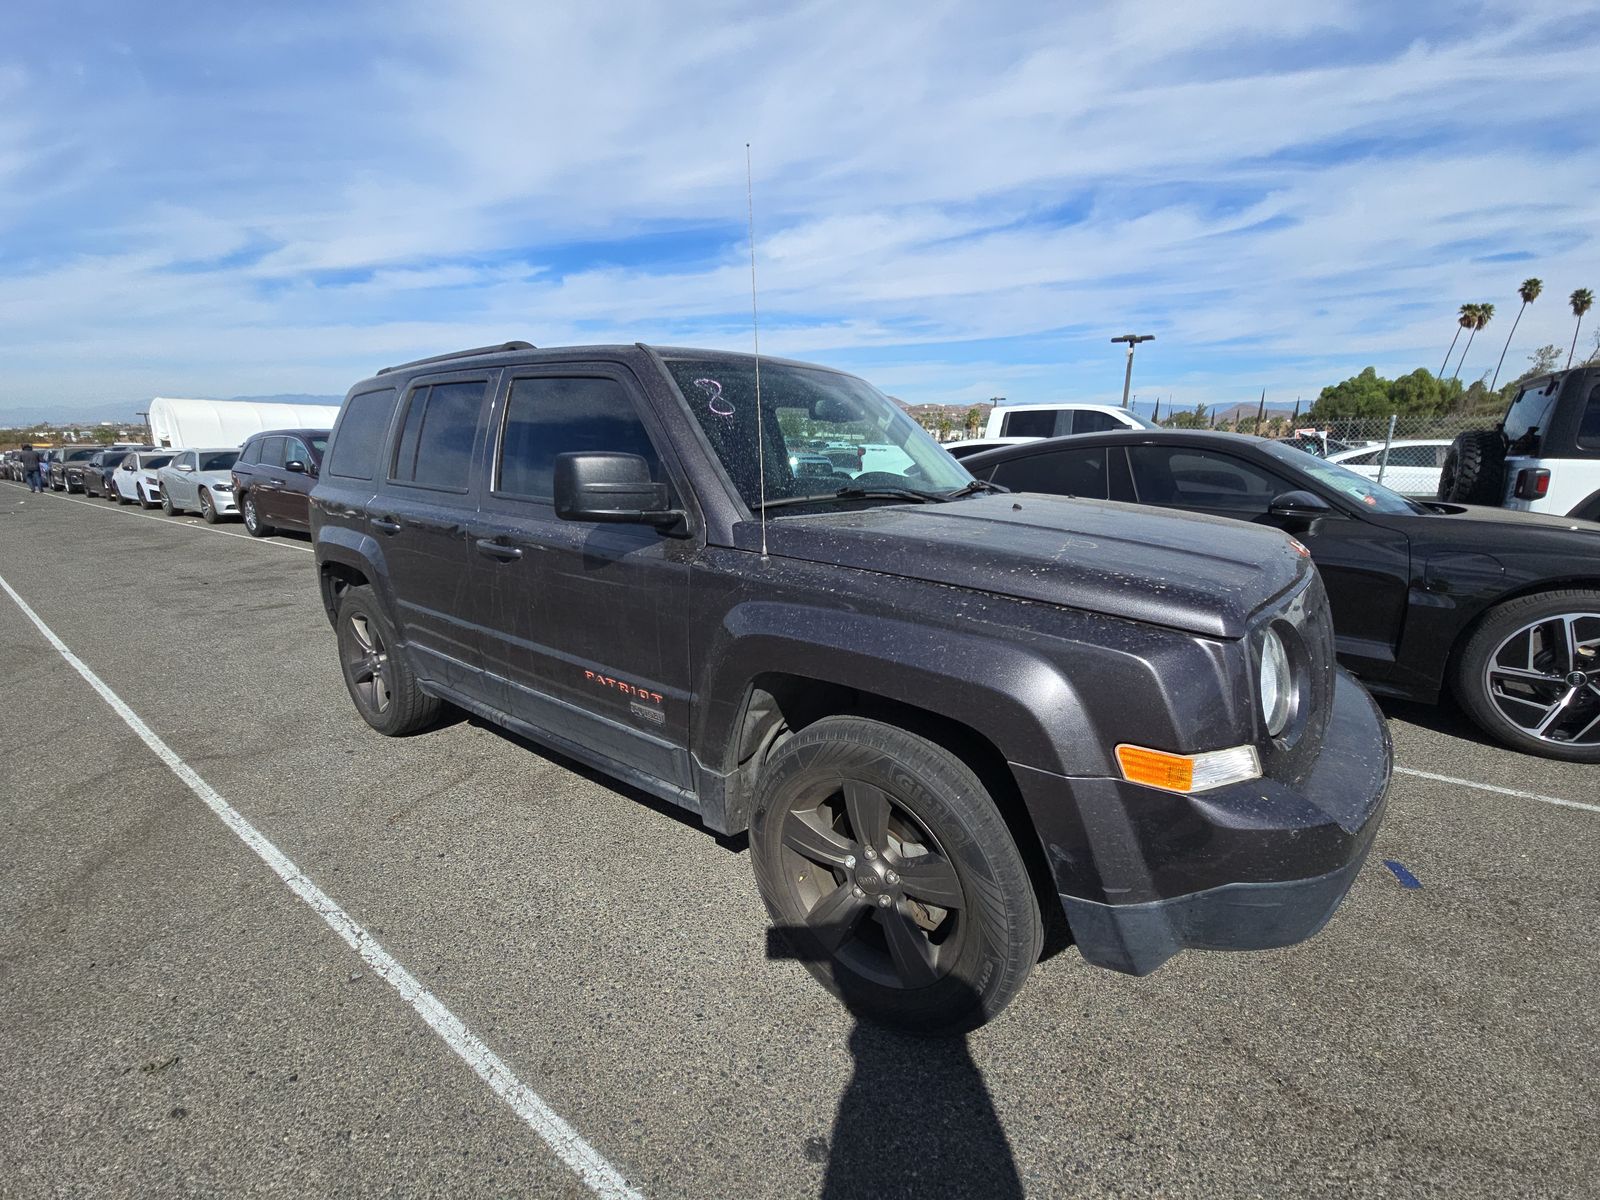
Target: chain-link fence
1401, 452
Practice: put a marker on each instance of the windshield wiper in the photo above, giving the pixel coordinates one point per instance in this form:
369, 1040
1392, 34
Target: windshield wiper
977, 485
858, 493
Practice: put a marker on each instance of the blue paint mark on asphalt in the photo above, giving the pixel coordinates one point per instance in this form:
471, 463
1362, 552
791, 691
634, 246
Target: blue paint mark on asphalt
1406, 878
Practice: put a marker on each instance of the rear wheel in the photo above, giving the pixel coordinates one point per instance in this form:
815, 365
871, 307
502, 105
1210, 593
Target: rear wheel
208, 507
253, 524
1474, 468
381, 682
1530, 675
893, 876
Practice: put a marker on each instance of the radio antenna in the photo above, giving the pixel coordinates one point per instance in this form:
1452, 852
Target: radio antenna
755, 337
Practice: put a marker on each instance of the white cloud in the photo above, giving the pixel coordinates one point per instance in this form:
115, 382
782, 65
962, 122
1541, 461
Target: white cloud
1281, 193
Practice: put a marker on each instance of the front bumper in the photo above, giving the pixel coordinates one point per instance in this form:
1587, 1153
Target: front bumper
1143, 874
223, 501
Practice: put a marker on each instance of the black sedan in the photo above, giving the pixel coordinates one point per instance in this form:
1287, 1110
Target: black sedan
1502, 608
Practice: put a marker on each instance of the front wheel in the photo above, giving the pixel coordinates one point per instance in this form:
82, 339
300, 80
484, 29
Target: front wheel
1529, 675
208, 507
145, 501
167, 506
380, 680
253, 524
893, 876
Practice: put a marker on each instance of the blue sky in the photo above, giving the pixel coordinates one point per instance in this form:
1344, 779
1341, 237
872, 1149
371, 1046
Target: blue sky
955, 200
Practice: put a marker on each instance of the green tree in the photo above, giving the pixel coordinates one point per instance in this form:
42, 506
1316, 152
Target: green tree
1463, 321
945, 426
974, 422
1582, 301
1543, 361
1188, 420
1529, 291
1422, 393
1363, 395
105, 435
1481, 313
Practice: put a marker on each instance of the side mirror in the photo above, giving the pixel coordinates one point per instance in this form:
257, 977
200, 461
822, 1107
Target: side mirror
296, 466
613, 488
1300, 505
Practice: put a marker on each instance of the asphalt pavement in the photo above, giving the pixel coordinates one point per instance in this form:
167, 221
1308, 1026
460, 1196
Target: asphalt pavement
180, 1022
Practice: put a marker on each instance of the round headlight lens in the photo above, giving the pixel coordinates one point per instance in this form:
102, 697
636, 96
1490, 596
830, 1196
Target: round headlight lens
1277, 683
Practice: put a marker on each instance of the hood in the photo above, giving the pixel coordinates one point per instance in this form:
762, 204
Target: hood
1503, 520
1201, 574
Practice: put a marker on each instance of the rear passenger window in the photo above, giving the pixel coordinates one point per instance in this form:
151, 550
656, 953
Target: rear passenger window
1066, 473
1029, 424
547, 417
1589, 425
441, 423
1089, 421
271, 452
360, 437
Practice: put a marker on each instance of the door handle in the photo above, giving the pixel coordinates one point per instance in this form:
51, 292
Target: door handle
385, 525
493, 549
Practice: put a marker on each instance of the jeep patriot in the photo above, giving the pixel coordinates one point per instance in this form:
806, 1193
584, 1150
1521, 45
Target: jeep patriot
947, 715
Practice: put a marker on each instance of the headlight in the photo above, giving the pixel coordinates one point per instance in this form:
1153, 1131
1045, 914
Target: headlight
1277, 684
221, 487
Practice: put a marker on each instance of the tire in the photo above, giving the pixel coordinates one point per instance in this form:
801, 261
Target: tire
167, 506
1508, 701
144, 501
846, 786
121, 499
1474, 470
253, 524
380, 680
208, 507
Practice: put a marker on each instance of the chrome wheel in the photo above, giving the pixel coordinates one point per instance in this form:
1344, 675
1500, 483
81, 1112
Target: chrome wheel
1545, 679
250, 521
368, 663
208, 510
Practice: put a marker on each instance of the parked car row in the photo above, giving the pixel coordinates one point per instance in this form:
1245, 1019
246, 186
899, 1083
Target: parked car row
266, 482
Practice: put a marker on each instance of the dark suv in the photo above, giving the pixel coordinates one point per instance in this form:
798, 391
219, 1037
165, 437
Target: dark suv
273, 476
941, 710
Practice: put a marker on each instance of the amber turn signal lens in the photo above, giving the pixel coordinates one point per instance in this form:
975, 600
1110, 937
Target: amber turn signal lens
1188, 772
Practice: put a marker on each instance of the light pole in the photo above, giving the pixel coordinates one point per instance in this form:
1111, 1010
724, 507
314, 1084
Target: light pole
1133, 339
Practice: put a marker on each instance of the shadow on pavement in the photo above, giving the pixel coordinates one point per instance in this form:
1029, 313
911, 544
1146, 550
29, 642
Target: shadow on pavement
915, 1121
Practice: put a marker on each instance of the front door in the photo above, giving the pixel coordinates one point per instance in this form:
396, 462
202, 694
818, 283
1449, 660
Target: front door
587, 633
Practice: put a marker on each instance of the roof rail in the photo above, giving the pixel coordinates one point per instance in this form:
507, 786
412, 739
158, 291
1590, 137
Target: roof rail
473, 353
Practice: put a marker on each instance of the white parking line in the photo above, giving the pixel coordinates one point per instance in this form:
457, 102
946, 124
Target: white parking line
170, 523
569, 1146
1489, 787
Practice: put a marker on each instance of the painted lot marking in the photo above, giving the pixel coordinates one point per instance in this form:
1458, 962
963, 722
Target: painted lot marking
170, 523
1489, 787
584, 1160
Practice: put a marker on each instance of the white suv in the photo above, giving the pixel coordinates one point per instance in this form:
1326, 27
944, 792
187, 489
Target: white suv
1544, 456
1058, 420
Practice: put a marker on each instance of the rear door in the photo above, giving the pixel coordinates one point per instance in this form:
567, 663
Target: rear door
587, 632
268, 480
422, 516
178, 480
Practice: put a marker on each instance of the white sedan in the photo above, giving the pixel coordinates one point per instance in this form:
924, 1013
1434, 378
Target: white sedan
199, 481
1411, 468
135, 480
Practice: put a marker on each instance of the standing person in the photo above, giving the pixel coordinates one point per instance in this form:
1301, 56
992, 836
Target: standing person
30, 468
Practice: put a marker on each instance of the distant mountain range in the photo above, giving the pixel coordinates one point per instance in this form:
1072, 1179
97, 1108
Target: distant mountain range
125, 410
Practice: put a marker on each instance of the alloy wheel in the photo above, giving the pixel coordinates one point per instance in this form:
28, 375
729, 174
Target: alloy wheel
880, 893
367, 660
250, 522
1545, 679
206, 507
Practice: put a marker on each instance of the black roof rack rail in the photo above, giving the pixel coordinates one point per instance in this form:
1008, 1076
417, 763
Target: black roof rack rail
473, 353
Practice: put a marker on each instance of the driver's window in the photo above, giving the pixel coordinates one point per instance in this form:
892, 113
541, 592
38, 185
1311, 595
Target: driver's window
547, 416
1187, 478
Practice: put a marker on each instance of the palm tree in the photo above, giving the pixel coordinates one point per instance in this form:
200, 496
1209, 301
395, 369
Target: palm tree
1464, 321
1582, 301
1480, 317
1529, 291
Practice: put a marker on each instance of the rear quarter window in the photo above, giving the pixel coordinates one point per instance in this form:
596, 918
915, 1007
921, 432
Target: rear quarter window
1589, 423
358, 439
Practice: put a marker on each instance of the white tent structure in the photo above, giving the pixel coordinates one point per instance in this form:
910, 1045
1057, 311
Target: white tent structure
175, 423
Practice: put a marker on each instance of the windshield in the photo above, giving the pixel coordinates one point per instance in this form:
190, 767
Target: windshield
823, 432
1346, 482
1529, 416
219, 462
81, 455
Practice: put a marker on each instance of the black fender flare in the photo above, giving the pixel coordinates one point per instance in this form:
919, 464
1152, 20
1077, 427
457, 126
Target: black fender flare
358, 550
1009, 694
